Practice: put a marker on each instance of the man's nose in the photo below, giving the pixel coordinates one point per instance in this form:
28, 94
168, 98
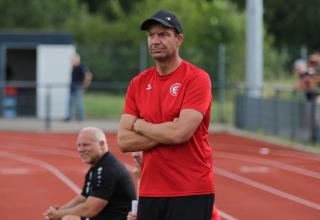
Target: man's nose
80, 148
155, 39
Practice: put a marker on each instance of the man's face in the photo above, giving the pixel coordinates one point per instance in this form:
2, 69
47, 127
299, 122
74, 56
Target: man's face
75, 60
163, 42
90, 150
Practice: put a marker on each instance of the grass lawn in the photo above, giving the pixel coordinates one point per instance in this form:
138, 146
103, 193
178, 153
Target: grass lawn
103, 105
110, 106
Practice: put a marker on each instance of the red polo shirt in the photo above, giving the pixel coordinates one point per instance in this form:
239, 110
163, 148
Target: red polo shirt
181, 169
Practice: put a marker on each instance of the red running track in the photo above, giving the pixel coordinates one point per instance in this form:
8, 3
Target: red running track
254, 179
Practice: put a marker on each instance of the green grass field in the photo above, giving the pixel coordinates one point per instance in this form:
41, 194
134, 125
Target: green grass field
110, 106
103, 105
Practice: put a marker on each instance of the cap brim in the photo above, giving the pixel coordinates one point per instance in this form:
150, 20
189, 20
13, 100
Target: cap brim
146, 24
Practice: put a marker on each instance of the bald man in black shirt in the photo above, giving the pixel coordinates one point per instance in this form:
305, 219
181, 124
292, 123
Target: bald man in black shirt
108, 189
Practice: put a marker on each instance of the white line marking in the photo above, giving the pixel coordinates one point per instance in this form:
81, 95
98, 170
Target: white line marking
129, 167
64, 152
14, 171
48, 150
276, 151
273, 163
45, 166
254, 169
266, 188
226, 216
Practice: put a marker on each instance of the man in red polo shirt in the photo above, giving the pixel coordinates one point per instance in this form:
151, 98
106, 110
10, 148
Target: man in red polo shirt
167, 115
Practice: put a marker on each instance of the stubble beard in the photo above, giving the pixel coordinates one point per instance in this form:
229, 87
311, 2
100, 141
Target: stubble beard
162, 57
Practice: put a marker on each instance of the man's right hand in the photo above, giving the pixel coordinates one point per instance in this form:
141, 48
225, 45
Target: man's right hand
131, 216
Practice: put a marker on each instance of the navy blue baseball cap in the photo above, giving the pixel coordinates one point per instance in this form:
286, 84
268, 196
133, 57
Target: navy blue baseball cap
164, 17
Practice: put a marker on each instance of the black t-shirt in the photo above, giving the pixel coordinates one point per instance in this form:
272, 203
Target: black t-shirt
77, 75
111, 181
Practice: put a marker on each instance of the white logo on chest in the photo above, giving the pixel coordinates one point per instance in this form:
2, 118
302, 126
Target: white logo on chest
174, 89
149, 87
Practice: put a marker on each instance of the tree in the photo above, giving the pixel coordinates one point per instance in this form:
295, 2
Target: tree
206, 23
292, 23
206, 20
47, 15
111, 10
107, 32
36, 14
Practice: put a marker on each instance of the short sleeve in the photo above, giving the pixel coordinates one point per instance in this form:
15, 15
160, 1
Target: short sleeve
130, 106
105, 183
198, 93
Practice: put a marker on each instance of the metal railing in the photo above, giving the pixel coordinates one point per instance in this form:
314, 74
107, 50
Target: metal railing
284, 112
280, 110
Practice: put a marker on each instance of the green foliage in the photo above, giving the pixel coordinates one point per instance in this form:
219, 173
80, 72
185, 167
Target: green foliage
274, 64
58, 15
37, 14
111, 62
108, 32
292, 23
205, 23
110, 10
87, 29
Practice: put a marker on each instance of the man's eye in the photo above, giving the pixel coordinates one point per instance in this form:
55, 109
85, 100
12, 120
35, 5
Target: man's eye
163, 34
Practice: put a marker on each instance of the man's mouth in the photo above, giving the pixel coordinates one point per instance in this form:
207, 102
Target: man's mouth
84, 155
156, 51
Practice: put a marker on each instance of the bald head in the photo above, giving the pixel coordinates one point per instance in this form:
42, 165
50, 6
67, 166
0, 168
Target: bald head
94, 134
92, 144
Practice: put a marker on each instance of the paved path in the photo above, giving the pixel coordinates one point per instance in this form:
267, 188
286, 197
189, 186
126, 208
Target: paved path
38, 125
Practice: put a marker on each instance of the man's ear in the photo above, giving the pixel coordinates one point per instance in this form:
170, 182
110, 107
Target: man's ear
179, 39
101, 144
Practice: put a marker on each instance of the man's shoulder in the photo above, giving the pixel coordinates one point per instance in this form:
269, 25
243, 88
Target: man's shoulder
146, 72
144, 75
194, 71
110, 160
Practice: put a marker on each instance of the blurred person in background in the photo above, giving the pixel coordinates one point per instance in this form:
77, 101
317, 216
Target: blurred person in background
108, 188
80, 80
167, 115
314, 62
308, 77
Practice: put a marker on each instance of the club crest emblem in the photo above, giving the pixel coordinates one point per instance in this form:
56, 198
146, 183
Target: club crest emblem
174, 89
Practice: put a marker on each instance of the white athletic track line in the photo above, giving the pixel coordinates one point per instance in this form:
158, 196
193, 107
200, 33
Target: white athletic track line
43, 165
269, 162
62, 152
266, 188
304, 157
280, 151
226, 216
47, 150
